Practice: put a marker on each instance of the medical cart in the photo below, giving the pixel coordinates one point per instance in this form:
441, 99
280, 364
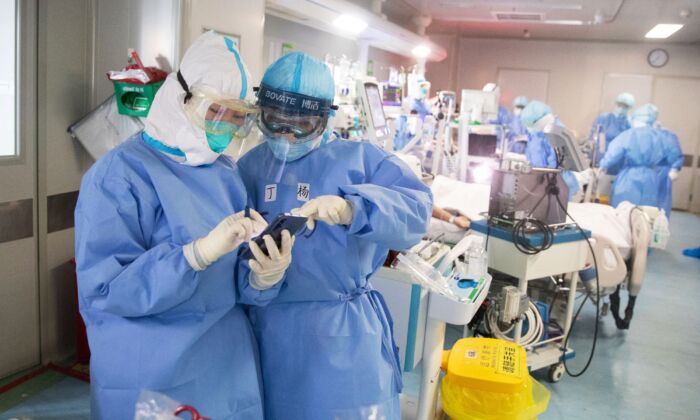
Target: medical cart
567, 255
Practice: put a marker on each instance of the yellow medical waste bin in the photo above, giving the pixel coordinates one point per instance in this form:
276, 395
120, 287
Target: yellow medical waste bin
488, 378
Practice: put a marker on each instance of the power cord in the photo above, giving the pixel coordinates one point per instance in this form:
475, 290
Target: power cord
521, 242
597, 304
523, 226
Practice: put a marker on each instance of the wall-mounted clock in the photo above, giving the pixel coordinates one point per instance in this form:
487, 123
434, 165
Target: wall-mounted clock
657, 57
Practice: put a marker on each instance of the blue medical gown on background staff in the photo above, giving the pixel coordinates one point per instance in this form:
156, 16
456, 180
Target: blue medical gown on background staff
673, 159
152, 321
634, 156
326, 344
611, 125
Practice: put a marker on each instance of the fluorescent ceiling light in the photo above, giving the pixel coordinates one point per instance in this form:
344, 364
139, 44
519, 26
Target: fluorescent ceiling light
421, 51
350, 24
663, 30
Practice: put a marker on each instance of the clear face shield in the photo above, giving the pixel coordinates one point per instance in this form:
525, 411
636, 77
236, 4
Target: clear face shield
293, 125
621, 108
222, 118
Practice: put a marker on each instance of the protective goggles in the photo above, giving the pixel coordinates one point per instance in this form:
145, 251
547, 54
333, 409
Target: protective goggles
218, 114
281, 112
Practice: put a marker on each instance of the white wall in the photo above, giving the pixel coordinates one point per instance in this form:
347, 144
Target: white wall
243, 18
7, 78
150, 27
303, 38
79, 41
582, 77
319, 43
576, 69
64, 79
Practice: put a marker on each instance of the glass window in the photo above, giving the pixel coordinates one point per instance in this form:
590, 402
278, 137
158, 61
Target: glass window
8, 138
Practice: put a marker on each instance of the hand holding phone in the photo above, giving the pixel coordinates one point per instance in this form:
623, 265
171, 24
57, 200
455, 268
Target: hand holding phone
293, 224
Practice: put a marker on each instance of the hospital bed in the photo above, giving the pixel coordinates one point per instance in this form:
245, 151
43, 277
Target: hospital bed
620, 236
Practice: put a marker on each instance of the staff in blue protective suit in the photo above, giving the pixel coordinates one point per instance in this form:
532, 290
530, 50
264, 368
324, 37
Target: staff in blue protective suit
419, 103
503, 119
634, 157
536, 116
611, 124
669, 169
517, 132
326, 343
157, 223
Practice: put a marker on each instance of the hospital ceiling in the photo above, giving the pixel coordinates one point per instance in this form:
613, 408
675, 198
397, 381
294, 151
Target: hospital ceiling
599, 20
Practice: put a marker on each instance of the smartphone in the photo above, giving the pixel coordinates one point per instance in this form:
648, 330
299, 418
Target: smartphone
293, 224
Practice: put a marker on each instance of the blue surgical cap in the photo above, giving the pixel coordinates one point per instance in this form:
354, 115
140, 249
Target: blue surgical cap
625, 99
646, 113
534, 111
520, 101
301, 73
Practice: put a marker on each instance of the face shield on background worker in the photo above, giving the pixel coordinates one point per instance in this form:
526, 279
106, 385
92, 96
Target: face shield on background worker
326, 343
157, 226
519, 103
624, 103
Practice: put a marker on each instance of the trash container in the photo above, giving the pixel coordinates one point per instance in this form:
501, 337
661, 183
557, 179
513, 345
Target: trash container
488, 379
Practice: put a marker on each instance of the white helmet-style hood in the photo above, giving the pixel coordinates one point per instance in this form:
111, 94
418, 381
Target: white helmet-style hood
214, 61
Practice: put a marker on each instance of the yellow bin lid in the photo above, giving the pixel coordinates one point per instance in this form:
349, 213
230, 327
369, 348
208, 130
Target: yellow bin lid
487, 364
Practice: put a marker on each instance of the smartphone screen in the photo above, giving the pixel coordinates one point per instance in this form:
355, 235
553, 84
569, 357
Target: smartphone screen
293, 224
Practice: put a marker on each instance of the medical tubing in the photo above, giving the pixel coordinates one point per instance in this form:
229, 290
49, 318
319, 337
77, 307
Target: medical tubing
519, 236
597, 304
534, 331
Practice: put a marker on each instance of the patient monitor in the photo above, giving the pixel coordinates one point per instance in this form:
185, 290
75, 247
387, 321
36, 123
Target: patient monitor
375, 120
564, 141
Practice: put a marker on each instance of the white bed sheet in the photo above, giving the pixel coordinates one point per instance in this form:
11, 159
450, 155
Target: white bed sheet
473, 199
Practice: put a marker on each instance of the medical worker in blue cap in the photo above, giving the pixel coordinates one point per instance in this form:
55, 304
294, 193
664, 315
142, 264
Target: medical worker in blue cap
536, 116
517, 132
634, 157
326, 343
158, 222
611, 124
669, 170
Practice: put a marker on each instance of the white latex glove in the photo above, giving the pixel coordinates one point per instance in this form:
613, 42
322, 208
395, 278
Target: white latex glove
331, 209
673, 174
268, 270
224, 238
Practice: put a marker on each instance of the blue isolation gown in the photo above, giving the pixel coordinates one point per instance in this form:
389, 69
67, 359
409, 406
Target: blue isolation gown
326, 344
634, 157
611, 125
152, 321
673, 159
541, 154
421, 107
504, 120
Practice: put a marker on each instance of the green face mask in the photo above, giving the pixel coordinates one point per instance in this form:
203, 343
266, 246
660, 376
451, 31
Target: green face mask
219, 134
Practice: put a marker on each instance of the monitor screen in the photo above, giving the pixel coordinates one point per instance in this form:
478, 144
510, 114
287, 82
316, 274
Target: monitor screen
375, 105
391, 95
483, 145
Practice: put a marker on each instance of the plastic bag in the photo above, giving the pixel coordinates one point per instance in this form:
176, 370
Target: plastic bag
104, 128
466, 404
660, 233
155, 406
426, 275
